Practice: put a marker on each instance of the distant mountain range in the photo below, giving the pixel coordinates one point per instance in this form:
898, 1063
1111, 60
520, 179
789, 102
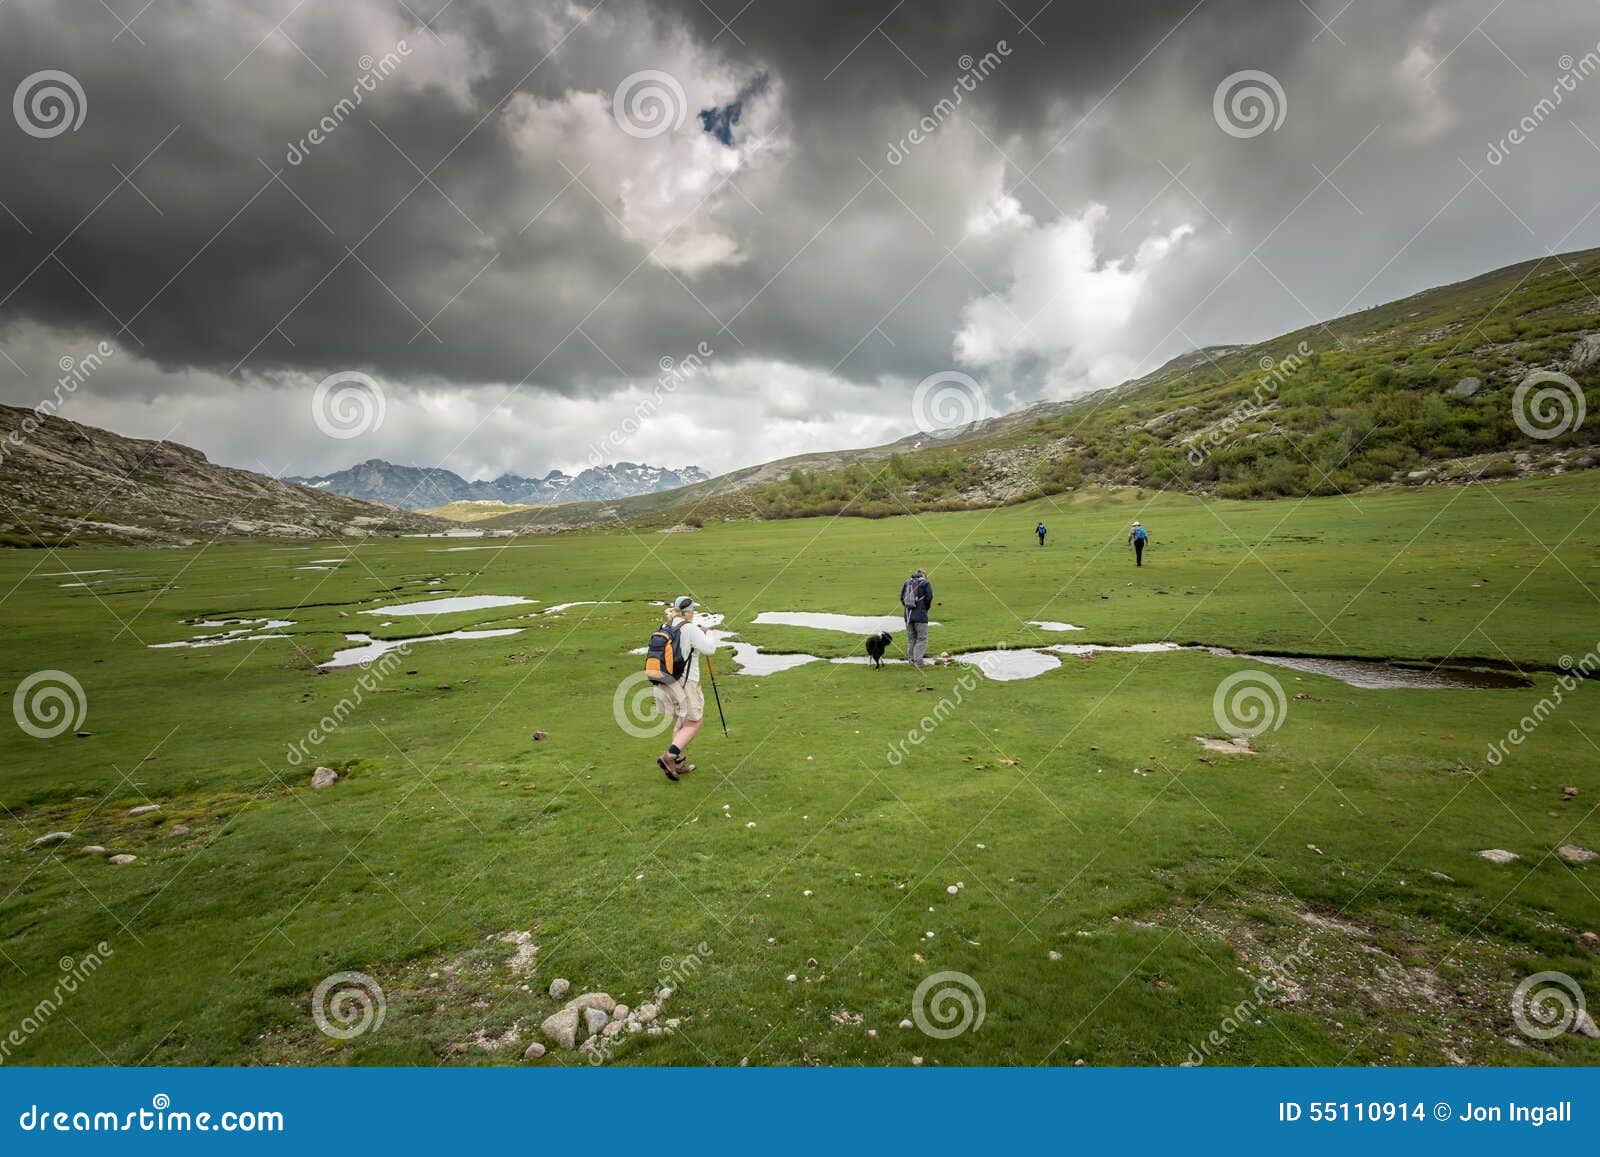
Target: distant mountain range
423, 488
63, 483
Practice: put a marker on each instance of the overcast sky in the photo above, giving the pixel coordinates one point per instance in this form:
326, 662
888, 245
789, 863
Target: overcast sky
533, 207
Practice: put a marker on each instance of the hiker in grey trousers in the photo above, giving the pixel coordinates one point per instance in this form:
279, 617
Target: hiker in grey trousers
916, 599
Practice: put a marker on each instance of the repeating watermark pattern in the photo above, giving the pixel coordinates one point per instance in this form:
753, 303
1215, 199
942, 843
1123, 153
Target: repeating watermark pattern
1248, 703
1274, 373
1547, 404
948, 400
348, 1004
1270, 987
637, 707
1546, 1005
49, 103
1572, 677
899, 749
74, 372
348, 404
674, 372
367, 683
1248, 103
649, 103
48, 703
73, 974
677, 970
948, 1004
372, 72
1573, 72
973, 73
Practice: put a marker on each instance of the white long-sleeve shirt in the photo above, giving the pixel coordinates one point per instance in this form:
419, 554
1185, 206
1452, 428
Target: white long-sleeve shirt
695, 642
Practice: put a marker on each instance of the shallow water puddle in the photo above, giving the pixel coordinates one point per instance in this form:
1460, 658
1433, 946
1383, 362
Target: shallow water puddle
238, 631
1006, 666
371, 648
450, 605
1374, 675
850, 624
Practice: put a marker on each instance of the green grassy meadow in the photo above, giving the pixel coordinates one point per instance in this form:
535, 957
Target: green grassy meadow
1123, 889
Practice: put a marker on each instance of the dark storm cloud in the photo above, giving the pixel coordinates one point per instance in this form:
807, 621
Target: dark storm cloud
355, 254
262, 192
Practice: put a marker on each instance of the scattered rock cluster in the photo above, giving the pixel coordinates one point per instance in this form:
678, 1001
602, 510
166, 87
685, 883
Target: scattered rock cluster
593, 1022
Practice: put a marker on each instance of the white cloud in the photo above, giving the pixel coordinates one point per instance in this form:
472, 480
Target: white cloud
1063, 303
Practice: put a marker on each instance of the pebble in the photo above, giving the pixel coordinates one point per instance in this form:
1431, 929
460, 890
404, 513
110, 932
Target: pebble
594, 1020
1499, 855
872, 1033
791, 978
180, 829
646, 1013
49, 838
144, 809
559, 988
1054, 955
751, 824
600, 1000
620, 1012
916, 1060
807, 892
905, 1024
94, 850
124, 858
533, 1052
324, 777
953, 890
1574, 854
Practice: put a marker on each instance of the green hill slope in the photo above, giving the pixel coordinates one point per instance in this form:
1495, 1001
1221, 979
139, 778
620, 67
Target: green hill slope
1413, 392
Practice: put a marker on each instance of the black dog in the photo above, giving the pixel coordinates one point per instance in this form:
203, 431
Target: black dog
876, 646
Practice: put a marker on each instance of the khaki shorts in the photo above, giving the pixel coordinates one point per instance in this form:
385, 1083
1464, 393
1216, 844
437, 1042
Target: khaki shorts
682, 700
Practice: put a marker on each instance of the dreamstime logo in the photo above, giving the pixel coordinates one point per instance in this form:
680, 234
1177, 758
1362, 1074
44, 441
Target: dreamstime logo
347, 1004
649, 103
1248, 103
49, 103
973, 73
929, 723
1274, 373
1550, 411
1573, 72
1573, 674
947, 400
1547, 1004
1247, 703
954, 1002
74, 373
674, 372
47, 703
74, 973
636, 709
348, 404
372, 71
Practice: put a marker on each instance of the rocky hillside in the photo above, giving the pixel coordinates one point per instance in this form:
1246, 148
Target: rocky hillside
63, 483
425, 488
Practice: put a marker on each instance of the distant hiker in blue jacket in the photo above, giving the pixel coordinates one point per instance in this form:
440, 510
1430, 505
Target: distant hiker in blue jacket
916, 599
1137, 537
1039, 530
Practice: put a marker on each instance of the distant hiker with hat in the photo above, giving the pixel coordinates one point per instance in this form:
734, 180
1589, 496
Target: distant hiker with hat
1137, 537
916, 599
1039, 530
672, 661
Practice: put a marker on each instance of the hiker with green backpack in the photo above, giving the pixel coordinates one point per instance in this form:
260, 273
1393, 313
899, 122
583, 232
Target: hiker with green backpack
672, 662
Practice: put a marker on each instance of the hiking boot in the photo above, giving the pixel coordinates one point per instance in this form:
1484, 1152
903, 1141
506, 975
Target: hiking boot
668, 764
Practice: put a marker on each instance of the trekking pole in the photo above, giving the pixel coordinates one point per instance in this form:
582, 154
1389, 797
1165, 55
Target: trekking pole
717, 695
